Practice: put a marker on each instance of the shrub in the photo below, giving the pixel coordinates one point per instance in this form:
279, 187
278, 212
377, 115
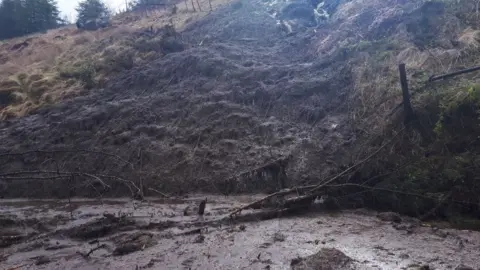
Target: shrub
85, 73
92, 10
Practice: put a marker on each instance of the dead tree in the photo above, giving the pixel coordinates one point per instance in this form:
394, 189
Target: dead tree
201, 207
409, 115
186, 5
210, 4
193, 6
199, 7
271, 176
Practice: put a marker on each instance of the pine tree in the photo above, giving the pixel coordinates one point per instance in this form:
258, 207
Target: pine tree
41, 15
92, 10
10, 23
21, 17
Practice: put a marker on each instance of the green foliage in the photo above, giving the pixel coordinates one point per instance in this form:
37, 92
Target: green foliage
22, 17
84, 72
459, 112
92, 10
146, 4
115, 61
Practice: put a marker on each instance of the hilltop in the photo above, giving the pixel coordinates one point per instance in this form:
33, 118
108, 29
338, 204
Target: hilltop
199, 101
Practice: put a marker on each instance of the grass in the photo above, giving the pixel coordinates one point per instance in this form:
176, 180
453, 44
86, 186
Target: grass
64, 62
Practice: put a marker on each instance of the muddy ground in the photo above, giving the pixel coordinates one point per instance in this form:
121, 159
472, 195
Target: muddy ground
168, 234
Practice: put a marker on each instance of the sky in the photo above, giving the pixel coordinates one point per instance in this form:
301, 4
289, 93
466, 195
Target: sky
67, 7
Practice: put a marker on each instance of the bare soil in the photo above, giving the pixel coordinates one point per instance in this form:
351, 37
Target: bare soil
168, 234
240, 94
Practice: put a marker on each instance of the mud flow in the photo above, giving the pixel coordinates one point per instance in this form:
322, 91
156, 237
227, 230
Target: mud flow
169, 234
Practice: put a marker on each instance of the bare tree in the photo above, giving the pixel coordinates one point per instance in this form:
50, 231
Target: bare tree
199, 7
193, 5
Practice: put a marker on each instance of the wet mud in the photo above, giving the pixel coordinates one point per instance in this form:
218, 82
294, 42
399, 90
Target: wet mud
169, 234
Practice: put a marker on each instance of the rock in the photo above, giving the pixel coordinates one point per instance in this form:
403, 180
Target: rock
42, 260
242, 227
99, 228
301, 11
404, 256
278, 237
325, 259
134, 242
463, 267
389, 216
265, 245
19, 46
199, 239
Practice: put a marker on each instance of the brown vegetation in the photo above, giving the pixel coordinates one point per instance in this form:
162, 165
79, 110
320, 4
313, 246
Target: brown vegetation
45, 68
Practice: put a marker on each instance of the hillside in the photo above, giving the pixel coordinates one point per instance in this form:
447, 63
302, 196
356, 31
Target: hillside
206, 107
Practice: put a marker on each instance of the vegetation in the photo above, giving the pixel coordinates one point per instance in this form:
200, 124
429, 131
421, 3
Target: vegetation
435, 159
141, 4
22, 17
92, 10
70, 61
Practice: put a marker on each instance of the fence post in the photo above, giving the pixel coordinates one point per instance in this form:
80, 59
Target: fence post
406, 95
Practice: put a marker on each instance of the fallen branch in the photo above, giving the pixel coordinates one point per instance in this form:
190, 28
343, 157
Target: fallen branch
190, 232
279, 193
159, 192
312, 189
86, 255
321, 185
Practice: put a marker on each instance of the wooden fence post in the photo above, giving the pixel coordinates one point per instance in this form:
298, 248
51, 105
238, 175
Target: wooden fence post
406, 95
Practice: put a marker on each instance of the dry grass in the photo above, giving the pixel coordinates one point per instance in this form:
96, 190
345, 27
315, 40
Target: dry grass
375, 46
64, 62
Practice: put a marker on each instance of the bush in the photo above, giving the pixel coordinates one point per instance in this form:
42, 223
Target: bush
115, 61
85, 73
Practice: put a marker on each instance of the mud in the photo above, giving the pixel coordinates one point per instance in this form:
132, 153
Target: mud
240, 95
156, 234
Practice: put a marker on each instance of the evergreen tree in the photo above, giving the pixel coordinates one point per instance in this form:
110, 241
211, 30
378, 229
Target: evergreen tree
92, 10
41, 15
21, 17
10, 23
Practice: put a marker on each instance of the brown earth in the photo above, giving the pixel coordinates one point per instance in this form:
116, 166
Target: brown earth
236, 92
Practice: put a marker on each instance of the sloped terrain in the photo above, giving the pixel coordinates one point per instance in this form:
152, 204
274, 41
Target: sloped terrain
248, 85
242, 98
